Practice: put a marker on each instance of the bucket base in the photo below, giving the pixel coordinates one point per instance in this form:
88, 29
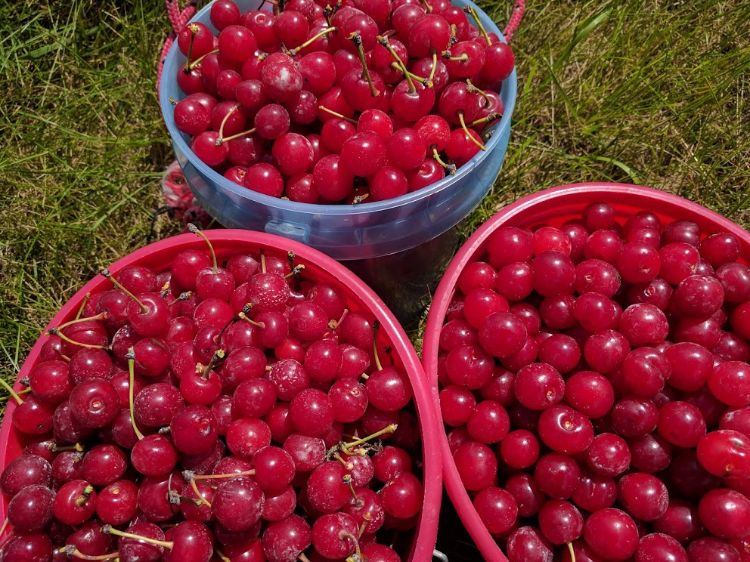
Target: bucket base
405, 280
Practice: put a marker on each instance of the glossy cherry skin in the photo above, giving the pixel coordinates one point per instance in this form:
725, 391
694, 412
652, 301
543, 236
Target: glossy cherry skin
284, 540
476, 464
25, 470
30, 509
659, 547
565, 430
725, 513
402, 497
643, 495
497, 509
725, 453
611, 533
560, 522
117, 504
238, 504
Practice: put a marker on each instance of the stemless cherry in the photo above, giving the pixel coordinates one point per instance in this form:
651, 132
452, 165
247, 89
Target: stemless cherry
681, 424
557, 475
560, 522
590, 393
608, 455
565, 430
725, 513
476, 464
611, 534
729, 382
497, 509
643, 495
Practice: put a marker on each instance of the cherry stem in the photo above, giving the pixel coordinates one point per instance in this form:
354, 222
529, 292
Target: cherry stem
347, 535
427, 6
302, 557
454, 31
21, 392
106, 273
201, 499
333, 324
489, 117
328, 12
471, 11
190, 476
433, 70
375, 329
221, 139
235, 136
185, 295
357, 40
364, 376
424, 81
193, 31
290, 258
12, 392
218, 355
164, 291
198, 232
572, 552
222, 557
262, 261
243, 315
109, 530
348, 482
83, 498
78, 319
336, 114
471, 88
4, 527
347, 465
451, 168
71, 551
130, 356
405, 71
463, 58
295, 271
312, 40
388, 429
479, 143
84, 302
57, 448
196, 62
63, 337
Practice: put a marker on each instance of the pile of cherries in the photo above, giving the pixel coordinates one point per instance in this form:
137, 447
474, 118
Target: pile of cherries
339, 102
595, 388
248, 412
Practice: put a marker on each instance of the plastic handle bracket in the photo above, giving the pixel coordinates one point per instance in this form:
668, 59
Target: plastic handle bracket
296, 232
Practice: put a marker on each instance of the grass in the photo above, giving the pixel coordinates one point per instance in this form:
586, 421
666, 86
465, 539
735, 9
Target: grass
643, 91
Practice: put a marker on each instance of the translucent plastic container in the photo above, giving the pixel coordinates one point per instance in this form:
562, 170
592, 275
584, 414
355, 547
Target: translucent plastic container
345, 232
552, 207
358, 296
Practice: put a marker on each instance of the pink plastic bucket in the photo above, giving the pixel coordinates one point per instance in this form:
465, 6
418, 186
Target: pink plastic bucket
554, 207
358, 296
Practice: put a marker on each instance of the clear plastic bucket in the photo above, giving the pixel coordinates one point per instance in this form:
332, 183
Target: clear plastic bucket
344, 232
